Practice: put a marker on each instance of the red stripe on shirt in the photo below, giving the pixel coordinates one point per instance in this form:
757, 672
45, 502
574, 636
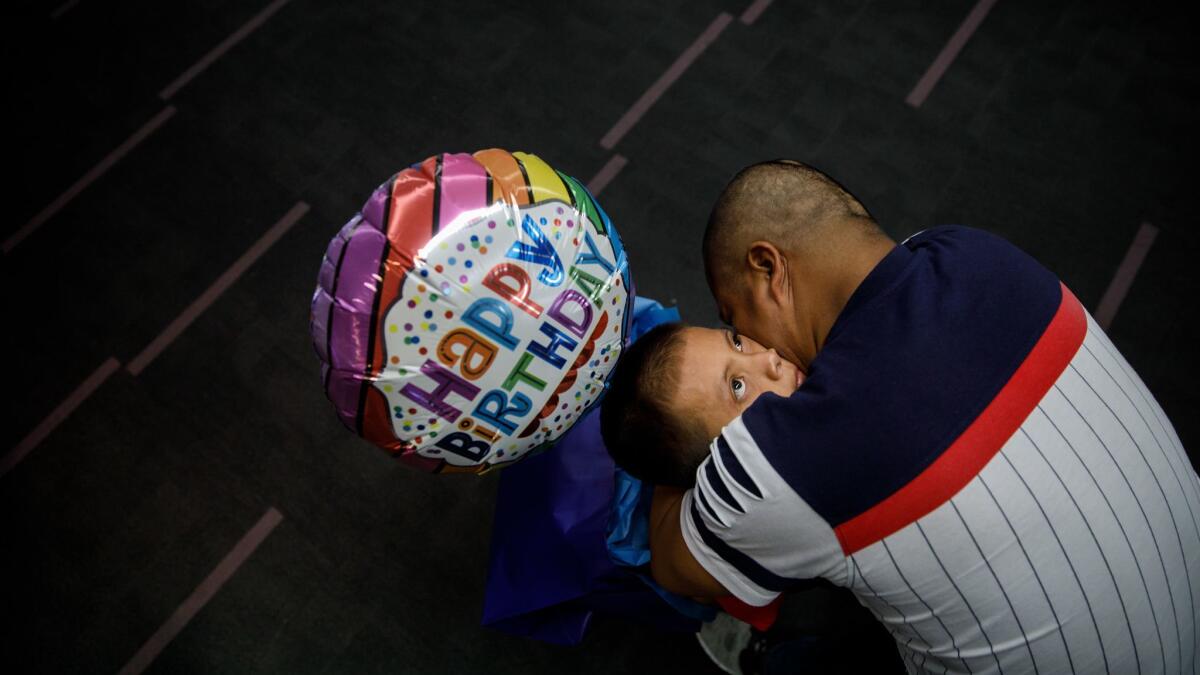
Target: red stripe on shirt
980, 442
761, 618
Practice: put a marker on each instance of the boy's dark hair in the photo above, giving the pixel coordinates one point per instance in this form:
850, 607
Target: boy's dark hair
645, 435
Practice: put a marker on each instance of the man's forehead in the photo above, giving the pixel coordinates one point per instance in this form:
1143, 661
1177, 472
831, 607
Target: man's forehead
722, 275
727, 302
723, 314
728, 314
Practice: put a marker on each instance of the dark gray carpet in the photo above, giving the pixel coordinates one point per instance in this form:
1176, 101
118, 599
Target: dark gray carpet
1062, 126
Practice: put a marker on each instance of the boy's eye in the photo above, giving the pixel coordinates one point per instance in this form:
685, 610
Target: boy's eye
738, 386
737, 341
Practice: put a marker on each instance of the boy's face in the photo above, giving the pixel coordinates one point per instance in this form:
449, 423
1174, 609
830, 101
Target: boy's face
723, 373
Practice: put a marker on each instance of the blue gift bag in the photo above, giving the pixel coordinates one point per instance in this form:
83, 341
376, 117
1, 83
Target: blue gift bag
570, 538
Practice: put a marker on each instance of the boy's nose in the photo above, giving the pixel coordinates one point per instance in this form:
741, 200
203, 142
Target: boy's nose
774, 364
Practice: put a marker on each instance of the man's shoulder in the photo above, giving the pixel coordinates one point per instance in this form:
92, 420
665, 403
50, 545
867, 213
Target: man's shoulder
952, 240
908, 371
742, 521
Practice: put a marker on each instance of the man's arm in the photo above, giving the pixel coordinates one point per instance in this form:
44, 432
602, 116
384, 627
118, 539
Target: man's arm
671, 562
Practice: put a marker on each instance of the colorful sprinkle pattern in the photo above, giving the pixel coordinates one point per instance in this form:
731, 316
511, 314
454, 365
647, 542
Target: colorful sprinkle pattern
498, 292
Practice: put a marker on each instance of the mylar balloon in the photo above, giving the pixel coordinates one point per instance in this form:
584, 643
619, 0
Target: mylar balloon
472, 311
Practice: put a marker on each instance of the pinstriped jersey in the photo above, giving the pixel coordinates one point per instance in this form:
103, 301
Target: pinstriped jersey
973, 458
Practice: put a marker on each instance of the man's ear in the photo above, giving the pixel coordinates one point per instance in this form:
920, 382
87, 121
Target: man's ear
768, 269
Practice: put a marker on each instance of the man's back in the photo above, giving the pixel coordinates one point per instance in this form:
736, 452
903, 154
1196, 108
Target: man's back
1073, 550
972, 458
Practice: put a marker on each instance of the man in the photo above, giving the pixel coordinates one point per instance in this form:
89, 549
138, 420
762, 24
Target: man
969, 454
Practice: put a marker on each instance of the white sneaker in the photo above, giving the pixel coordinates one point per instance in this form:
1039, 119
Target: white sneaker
723, 639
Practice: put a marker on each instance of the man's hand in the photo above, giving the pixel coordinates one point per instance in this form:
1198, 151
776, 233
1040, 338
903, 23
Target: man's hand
671, 562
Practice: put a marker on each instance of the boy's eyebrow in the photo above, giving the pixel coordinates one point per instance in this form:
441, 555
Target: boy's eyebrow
724, 385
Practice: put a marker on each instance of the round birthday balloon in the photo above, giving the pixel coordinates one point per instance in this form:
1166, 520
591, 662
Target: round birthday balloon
472, 311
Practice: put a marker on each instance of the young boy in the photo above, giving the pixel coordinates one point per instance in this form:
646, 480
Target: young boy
675, 388
672, 392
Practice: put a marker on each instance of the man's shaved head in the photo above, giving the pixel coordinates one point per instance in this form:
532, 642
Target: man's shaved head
787, 203
786, 247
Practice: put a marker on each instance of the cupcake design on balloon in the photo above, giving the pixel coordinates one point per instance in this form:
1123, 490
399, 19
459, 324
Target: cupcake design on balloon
472, 312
